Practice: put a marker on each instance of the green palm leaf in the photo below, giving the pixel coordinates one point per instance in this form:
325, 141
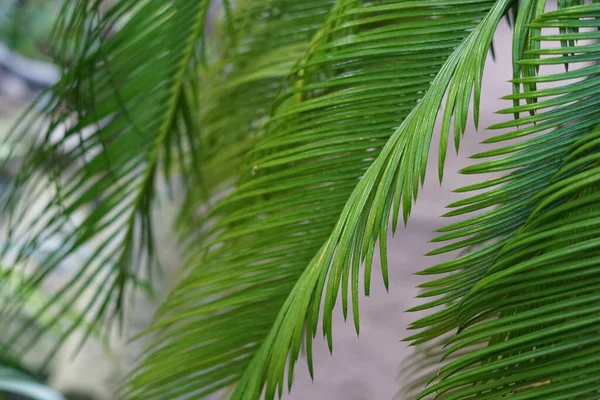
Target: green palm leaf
245, 57
529, 297
108, 127
324, 175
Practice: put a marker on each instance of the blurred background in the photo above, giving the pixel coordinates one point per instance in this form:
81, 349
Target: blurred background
362, 368
25, 68
25, 29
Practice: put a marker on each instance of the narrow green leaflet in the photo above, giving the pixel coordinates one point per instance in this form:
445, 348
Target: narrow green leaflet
528, 299
108, 127
348, 140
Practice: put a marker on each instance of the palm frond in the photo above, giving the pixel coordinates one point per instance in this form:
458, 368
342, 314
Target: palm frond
108, 128
246, 66
530, 296
322, 180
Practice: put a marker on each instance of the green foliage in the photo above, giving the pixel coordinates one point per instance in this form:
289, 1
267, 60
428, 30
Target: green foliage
299, 129
530, 294
118, 132
279, 226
